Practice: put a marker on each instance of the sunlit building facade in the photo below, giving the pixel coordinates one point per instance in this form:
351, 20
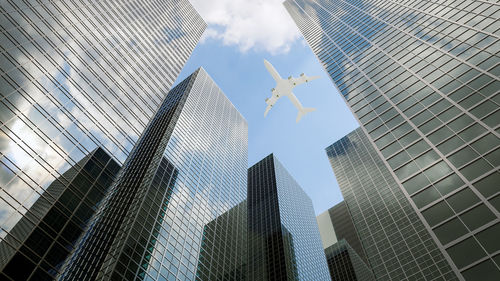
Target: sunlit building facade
422, 79
187, 170
283, 237
77, 77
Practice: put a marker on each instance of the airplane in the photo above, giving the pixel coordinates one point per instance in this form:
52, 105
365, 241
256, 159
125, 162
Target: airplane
284, 88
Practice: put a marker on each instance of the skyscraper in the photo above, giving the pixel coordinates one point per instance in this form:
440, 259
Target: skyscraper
80, 75
336, 222
223, 252
422, 80
345, 264
283, 236
396, 243
77, 79
42, 240
343, 250
187, 169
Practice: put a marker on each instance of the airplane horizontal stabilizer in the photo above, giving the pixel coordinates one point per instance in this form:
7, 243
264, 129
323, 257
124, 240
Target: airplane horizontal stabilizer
303, 112
267, 110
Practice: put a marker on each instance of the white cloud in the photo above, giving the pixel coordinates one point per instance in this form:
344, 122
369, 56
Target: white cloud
249, 24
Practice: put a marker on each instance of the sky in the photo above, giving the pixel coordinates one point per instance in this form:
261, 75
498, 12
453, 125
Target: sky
239, 36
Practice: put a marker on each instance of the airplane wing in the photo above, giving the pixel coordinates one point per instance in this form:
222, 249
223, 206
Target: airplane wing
272, 71
301, 79
270, 102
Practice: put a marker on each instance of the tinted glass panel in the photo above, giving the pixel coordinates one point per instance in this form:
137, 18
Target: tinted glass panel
450, 145
477, 217
427, 158
416, 183
462, 200
450, 231
469, 246
449, 184
463, 156
495, 202
475, 169
490, 238
494, 157
18, 262
472, 132
440, 135
425, 197
489, 185
437, 213
485, 271
485, 143
406, 170
437, 171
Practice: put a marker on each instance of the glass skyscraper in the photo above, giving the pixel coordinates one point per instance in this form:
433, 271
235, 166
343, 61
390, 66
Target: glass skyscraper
46, 235
187, 170
345, 264
223, 253
396, 243
78, 80
283, 237
343, 250
80, 75
422, 79
336, 222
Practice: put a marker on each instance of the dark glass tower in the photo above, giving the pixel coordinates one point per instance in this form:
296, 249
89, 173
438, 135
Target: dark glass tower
283, 237
223, 252
38, 245
343, 250
422, 78
187, 169
78, 75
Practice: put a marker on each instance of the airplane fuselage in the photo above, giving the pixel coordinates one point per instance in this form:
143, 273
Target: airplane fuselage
284, 88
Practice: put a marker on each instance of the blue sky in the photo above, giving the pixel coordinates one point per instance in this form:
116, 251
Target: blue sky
237, 67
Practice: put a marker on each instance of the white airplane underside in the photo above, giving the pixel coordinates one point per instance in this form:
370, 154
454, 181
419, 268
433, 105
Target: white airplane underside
284, 87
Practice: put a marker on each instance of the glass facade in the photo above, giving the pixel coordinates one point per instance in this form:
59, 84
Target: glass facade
395, 240
326, 231
345, 264
78, 75
344, 227
344, 252
283, 237
187, 169
38, 245
422, 78
223, 253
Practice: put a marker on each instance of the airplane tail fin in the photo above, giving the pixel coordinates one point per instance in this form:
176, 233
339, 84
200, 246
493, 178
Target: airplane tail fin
303, 112
267, 110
